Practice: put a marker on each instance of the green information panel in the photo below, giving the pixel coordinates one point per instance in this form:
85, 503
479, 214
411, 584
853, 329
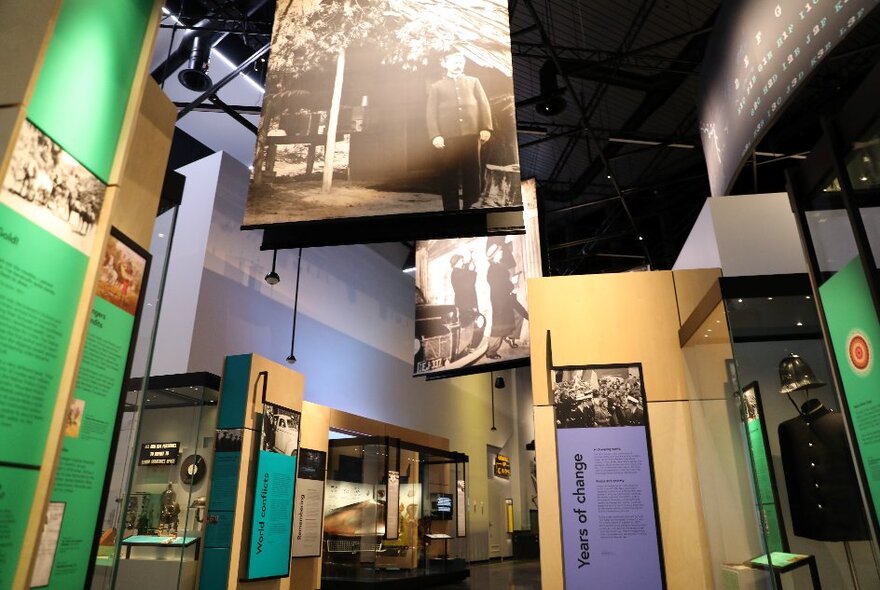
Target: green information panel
855, 333
85, 82
38, 302
16, 492
69, 534
763, 478
48, 208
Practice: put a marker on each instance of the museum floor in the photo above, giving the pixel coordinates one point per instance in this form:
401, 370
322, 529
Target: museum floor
501, 575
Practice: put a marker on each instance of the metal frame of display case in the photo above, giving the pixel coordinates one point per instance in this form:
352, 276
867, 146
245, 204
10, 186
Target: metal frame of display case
805, 184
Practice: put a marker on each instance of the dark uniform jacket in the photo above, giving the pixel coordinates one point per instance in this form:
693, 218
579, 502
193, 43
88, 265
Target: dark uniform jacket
822, 489
458, 107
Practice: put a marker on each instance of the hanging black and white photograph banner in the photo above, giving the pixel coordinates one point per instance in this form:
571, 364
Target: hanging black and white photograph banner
610, 527
471, 303
471, 299
386, 108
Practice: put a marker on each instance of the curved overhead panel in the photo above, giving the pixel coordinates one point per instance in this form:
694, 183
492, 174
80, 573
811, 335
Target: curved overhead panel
84, 85
760, 54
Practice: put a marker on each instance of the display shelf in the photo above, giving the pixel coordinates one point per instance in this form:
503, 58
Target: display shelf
779, 563
154, 541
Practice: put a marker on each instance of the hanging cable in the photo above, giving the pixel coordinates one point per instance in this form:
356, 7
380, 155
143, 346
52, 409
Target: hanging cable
292, 359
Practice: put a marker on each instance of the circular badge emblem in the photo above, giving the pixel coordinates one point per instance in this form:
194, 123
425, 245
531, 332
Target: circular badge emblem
861, 356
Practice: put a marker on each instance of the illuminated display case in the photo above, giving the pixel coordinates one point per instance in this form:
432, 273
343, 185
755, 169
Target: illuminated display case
422, 539
155, 520
805, 486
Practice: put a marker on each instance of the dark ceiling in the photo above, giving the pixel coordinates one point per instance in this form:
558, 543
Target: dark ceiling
620, 169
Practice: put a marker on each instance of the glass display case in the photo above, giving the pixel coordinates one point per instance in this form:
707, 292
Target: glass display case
156, 511
731, 487
393, 511
806, 490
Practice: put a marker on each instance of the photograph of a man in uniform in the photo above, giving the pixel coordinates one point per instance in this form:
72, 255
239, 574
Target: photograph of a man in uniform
459, 122
368, 105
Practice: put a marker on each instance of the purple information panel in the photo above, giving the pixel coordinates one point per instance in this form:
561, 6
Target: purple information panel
610, 532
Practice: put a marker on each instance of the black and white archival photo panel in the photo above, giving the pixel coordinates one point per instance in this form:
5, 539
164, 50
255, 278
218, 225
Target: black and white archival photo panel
384, 108
48, 186
471, 302
279, 432
602, 396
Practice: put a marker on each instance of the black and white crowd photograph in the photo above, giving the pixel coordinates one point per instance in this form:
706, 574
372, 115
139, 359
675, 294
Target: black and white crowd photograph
228, 440
48, 186
384, 108
471, 302
587, 397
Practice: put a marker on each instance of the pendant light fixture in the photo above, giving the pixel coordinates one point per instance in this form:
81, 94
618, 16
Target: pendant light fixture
272, 277
494, 384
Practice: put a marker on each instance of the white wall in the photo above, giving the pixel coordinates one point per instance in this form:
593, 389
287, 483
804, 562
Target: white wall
745, 235
177, 317
700, 250
354, 334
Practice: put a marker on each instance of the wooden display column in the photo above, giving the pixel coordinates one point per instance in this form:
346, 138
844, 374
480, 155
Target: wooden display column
245, 379
315, 434
613, 319
135, 153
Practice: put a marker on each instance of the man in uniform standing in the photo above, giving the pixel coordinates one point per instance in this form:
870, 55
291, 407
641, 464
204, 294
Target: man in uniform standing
459, 122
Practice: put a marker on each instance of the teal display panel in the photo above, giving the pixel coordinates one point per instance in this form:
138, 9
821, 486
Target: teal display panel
93, 418
271, 531
225, 472
236, 372
855, 333
272, 518
84, 84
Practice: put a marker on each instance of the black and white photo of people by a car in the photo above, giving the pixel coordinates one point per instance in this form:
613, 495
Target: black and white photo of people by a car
598, 397
280, 431
471, 302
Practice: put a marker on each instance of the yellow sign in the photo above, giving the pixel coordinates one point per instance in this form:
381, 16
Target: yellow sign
502, 466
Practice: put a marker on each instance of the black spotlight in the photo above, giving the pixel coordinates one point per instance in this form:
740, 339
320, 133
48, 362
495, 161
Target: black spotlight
195, 76
554, 103
272, 277
552, 107
291, 359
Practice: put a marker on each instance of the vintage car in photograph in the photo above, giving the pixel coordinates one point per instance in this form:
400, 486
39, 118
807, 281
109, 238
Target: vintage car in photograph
442, 341
286, 434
